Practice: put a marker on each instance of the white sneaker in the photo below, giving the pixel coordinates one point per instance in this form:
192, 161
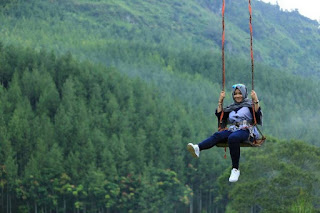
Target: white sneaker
234, 176
194, 150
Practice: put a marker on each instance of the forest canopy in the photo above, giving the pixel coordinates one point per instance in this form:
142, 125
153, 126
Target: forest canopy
81, 136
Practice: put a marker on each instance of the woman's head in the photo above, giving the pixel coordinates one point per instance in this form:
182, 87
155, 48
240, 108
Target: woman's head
239, 92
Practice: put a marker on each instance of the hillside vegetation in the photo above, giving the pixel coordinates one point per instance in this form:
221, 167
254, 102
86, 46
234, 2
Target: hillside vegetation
80, 137
175, 46
99, 99
284, 40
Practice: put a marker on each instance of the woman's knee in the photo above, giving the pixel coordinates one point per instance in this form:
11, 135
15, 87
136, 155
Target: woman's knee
220, 135
216, 134
238, 136
234, 139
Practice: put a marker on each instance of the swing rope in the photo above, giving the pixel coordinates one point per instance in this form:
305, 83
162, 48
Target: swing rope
252, 68
223, 42
223, 38
251, 46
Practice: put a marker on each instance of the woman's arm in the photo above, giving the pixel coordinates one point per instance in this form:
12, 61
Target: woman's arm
220, 104
255, 100
258, 115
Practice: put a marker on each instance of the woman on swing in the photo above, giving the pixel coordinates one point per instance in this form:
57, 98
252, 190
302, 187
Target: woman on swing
240, 116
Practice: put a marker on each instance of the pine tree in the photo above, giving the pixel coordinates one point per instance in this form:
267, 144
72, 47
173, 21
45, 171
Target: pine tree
49, 97
20, 134
95, 182
65, 123
108, 163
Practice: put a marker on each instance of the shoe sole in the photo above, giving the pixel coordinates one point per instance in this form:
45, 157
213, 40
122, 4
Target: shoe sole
233, 181
192, 151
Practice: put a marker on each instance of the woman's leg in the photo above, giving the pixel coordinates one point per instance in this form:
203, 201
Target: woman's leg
234, 140
214, 139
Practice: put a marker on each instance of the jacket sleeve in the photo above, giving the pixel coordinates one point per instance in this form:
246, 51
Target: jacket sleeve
224, 118
258, 115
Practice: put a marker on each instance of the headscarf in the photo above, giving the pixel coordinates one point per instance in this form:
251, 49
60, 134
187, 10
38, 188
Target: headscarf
245, 101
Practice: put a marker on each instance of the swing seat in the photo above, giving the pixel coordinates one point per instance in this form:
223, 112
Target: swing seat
247, 143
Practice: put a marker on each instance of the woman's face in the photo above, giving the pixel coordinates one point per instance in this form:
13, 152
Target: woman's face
237, 96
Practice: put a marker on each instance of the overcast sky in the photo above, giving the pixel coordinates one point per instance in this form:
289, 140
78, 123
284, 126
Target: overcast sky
308, 8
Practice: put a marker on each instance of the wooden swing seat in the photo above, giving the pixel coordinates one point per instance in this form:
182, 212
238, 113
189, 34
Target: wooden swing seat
247, 143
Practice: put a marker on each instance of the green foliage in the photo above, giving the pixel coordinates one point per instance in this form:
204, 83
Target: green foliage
284, 173
78, 137
109, 142
175, 46
86, 27
85, 138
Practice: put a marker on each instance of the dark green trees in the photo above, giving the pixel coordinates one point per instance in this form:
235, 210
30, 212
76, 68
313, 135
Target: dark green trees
82, 138
77, 137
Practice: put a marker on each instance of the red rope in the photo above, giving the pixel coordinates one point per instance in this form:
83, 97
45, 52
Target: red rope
251, 50
251, 46
223, 37
223, 64
252, 65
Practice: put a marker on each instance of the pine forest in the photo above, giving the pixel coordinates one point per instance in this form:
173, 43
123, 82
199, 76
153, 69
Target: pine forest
99, 98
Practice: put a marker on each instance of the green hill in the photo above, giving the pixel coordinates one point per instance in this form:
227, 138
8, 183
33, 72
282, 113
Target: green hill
175, 46
82, 137
284, 40
99, 99
88, 137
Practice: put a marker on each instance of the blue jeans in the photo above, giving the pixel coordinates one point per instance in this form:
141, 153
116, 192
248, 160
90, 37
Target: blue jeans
234, 140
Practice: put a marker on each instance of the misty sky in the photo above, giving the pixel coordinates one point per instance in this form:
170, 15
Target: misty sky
308, 8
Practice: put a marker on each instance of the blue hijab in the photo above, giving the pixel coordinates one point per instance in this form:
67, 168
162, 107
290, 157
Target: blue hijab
245, 101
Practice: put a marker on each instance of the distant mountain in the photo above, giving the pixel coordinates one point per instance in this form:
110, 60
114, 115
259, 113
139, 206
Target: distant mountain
284, 40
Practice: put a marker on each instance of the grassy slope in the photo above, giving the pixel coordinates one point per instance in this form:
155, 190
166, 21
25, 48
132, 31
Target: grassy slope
279, 37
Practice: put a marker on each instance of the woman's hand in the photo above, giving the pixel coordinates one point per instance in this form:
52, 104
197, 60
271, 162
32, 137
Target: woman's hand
254, 96
255, 100
222, 96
